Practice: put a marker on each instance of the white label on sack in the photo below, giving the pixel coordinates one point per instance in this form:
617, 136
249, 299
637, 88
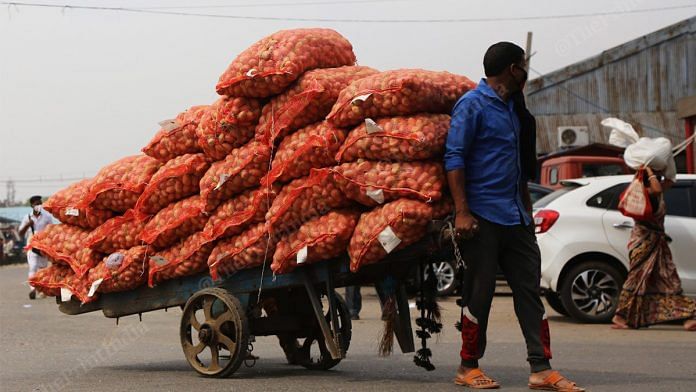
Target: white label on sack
375, 194
251, 73
361, 98
70, 211
302, 255
94, 287
371, 126
388, 239
223, 179
65, 294
159, 260
169, 125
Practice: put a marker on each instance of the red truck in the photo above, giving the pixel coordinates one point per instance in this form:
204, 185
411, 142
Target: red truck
555, 170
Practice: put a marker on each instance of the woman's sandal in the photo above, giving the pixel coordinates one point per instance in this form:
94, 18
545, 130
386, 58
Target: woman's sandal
552, 381
476, 379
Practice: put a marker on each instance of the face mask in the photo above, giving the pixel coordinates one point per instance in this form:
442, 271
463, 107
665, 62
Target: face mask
523, 81
37, 208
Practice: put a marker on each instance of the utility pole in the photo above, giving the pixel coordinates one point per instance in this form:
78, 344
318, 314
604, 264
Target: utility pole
10, 193
528, 49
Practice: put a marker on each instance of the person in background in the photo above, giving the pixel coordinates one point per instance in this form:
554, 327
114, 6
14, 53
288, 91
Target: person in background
354, 301
33, 223
652, 292
490, 155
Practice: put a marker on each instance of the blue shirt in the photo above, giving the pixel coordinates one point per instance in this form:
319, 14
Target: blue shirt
483, 140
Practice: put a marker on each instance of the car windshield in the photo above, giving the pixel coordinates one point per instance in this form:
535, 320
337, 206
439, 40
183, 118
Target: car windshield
546, 200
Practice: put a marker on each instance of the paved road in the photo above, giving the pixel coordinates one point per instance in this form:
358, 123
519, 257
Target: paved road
44, 350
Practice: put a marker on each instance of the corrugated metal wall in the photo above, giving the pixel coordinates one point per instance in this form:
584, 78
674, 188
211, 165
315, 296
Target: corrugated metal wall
639, 82
547, 125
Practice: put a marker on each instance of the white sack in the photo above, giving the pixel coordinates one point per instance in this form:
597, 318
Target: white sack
656, 153
622, 133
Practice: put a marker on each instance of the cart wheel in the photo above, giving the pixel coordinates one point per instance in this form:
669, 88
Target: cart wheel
214, 332
321, 360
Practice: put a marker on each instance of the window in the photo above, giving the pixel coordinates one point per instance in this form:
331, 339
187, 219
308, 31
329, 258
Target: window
536, 194
553, 175
546, 200
680, 200
600, 169
608, 198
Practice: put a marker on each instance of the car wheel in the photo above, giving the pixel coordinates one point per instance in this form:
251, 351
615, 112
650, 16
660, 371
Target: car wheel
590, 291
445, 273
554, 300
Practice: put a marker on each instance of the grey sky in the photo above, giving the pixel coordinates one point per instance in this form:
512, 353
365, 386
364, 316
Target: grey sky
82, 88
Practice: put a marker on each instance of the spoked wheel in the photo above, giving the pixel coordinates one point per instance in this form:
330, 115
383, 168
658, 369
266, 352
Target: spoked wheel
214, 333
313, 353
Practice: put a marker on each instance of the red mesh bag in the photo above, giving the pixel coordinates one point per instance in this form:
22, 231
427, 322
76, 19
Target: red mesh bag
398, 93
313, 146
235, 215
304, 199
373, 183
121, 271
174, 222
387, 228
176, 180
267, 67
52, 280
228, 124
49, 280
246, 250
84, 260
413, 138
188, 257
240, 170
117, 186
61, 244
321, 238
78, 288
69, 206
309, 100
177, 136
120, 232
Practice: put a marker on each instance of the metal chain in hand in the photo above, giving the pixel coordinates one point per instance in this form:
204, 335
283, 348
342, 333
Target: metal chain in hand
457, 253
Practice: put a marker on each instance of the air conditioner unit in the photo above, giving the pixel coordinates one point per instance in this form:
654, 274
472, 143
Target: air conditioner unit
573, 136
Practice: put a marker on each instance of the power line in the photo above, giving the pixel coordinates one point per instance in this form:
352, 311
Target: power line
329, 20
256, 5
43, 180
596, 106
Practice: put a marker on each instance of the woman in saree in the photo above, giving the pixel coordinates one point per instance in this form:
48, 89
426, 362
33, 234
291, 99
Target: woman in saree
652, 293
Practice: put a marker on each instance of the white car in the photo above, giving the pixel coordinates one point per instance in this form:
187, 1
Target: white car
583, 240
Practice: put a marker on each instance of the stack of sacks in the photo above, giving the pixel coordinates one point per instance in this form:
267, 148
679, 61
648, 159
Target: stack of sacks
65, 244
302, 72
303, 156
391, 158
97, 220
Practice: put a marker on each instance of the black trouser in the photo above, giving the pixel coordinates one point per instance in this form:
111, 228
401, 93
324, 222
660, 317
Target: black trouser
514, 248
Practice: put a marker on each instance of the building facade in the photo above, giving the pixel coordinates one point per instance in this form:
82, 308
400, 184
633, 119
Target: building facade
640, 82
